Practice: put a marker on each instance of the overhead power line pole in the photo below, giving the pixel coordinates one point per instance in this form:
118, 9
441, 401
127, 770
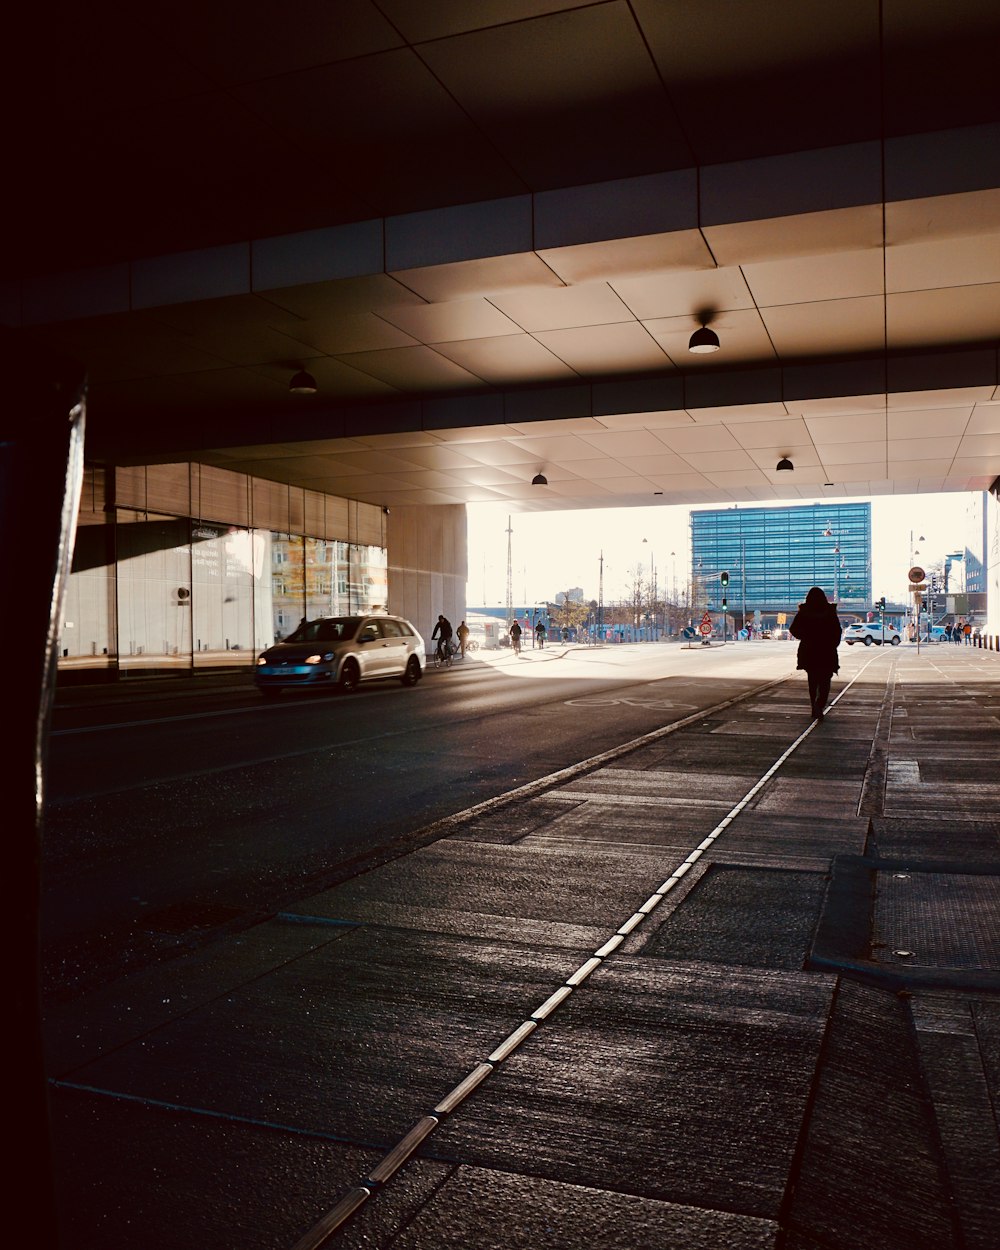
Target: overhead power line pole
510, 583
600, 594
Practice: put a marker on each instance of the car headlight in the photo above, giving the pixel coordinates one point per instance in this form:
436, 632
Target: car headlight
262, 659
313, 659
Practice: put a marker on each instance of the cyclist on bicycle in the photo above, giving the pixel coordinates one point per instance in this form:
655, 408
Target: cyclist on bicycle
515, 638
442, 632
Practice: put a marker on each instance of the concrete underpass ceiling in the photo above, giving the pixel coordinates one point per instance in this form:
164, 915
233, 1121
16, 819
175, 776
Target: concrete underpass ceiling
488, 231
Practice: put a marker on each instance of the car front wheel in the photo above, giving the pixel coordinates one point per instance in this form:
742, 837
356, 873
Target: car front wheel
350, 676
412, 673
895, 641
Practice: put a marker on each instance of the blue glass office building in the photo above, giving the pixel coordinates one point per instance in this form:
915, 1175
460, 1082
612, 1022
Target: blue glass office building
774, 555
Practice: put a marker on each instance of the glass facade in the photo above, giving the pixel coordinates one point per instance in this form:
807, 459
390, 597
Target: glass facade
156, 588
774, 555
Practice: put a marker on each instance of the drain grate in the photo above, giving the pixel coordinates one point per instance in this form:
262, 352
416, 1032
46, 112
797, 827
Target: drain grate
910, 924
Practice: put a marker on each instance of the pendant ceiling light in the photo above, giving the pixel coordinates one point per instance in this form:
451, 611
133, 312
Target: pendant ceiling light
703, 341
539, 480
784, 464
303, 383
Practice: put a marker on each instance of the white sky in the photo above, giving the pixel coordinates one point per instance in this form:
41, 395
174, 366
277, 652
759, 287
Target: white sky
554, 551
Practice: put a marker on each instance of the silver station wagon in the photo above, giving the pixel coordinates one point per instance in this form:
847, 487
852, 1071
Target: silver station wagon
342, 651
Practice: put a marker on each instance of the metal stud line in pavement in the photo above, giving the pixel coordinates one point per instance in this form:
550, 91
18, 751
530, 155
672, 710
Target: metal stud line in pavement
326, 1228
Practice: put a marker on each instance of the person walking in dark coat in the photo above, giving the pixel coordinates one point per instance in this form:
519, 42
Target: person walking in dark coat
817, 628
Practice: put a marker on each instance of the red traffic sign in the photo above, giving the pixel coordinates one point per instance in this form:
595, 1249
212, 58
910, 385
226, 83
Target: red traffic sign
916, 574
706, 624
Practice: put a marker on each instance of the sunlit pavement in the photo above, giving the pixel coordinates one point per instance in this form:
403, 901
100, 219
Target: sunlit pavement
739, 986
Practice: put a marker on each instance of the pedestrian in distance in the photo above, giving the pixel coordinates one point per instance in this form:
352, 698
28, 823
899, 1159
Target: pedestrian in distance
515, 637
967, 633
956, 631
443, 632
540, 633
817, 628
463, 637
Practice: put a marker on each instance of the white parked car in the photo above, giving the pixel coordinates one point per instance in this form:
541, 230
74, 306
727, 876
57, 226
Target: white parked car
342, 651
868, 633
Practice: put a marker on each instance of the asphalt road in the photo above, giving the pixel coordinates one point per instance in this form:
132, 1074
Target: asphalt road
171, 818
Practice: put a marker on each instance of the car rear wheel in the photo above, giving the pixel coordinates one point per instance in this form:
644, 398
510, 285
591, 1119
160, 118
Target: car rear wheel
350, 676
869, 640
411, 674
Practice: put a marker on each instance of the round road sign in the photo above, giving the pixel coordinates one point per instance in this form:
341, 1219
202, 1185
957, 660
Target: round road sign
916, 574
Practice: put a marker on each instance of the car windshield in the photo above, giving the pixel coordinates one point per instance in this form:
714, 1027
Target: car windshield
328, 629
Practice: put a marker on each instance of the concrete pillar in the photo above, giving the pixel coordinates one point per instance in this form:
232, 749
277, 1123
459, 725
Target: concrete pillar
41, 471
428, 554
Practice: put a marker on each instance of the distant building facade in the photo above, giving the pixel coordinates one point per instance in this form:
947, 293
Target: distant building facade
773, 555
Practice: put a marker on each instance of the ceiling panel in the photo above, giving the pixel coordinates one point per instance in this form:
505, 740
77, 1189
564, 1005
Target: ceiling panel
387, 128
699, 438
927, 422
846, 429
944, 263
965, 314
771, 433
512, 358
514, 82
811, 234
843, 325
411, 368
985, 419
740, 479
614, 258
452, 321
809, 279
786, 64
565, 447
923, 448
605, 349
362, 332
717, 461
472, 278
684, 294
561, 308
745, 414
850, 453
626, 443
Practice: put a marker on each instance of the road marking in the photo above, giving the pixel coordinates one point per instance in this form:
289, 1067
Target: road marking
659, 705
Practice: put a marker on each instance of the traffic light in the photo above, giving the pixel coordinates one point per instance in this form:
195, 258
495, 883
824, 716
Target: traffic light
880, 604
724, 578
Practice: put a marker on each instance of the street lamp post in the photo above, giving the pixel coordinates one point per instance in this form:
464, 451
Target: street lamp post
828, 533
652, 594
914, 605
